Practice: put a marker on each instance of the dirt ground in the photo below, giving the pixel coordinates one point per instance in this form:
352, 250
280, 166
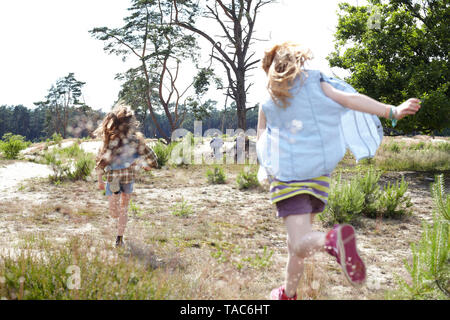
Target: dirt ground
226, 241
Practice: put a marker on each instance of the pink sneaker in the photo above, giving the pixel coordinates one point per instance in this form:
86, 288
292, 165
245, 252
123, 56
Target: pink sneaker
279, 294
340, 242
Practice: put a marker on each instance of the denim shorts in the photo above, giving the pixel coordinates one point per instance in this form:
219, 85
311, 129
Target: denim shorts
299, 204
126, 188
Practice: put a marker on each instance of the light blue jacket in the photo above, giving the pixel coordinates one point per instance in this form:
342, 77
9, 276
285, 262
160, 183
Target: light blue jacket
309, 138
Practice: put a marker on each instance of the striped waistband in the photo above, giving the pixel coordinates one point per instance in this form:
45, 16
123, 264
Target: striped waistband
318, 187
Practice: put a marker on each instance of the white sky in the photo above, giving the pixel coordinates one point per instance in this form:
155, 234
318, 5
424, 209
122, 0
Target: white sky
44, 40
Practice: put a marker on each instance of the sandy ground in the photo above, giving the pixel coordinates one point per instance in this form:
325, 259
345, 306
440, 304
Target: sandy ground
226, 229
14, 174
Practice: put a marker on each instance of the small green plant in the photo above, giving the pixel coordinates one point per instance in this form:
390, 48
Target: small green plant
12, 145
135, 210
247, 179
419, 146
219, 255
57, 139
394, 202
429, 269
394, 147
216, 176
181, 209
345, 202
261, 261
441, 200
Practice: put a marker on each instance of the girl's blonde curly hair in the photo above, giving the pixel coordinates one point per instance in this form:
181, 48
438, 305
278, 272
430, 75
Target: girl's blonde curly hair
118, 129
282, 64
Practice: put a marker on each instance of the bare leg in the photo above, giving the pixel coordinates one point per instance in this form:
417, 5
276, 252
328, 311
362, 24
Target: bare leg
114, 207
302, 243
123, 218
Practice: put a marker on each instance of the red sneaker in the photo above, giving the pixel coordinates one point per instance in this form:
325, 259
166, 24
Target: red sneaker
340, 242
280, 294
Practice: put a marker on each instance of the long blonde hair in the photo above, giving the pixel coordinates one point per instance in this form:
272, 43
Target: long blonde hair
118, 129
282, 64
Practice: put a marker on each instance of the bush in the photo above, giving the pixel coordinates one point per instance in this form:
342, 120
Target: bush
216, 176
83, 167
393, 202
430, 266
363, 196
163, 152
57, 139
345, 202
12, 145
247, 179
69, 163
368, 184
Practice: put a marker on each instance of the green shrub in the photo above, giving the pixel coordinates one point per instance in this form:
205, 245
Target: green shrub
247, 179
430, 267
182, 209
57, 139
69, 163
216, 176
368, 184
163, 152
345, 202
12, 145
441, 200
393, 202
84, 164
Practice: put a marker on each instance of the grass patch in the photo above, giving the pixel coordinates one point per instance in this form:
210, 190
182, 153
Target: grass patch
403, 156
82, 270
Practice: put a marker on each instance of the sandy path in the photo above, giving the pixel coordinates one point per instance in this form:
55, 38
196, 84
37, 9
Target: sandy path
12, 175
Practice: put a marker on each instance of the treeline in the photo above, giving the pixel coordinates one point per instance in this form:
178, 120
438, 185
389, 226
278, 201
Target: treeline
37, 124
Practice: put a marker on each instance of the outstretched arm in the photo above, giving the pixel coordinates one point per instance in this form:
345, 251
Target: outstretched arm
363, 103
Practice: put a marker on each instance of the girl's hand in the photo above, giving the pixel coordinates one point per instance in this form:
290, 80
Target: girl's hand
409, 107
101, 185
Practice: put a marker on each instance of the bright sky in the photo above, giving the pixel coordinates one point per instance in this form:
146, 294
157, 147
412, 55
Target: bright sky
44, 40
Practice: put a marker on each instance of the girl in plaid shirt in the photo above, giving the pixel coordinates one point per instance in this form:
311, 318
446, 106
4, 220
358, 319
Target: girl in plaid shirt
117, 159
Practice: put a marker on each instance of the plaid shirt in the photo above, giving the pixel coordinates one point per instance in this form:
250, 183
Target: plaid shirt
127, 175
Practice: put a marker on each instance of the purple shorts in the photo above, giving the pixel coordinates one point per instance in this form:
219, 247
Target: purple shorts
299, 204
